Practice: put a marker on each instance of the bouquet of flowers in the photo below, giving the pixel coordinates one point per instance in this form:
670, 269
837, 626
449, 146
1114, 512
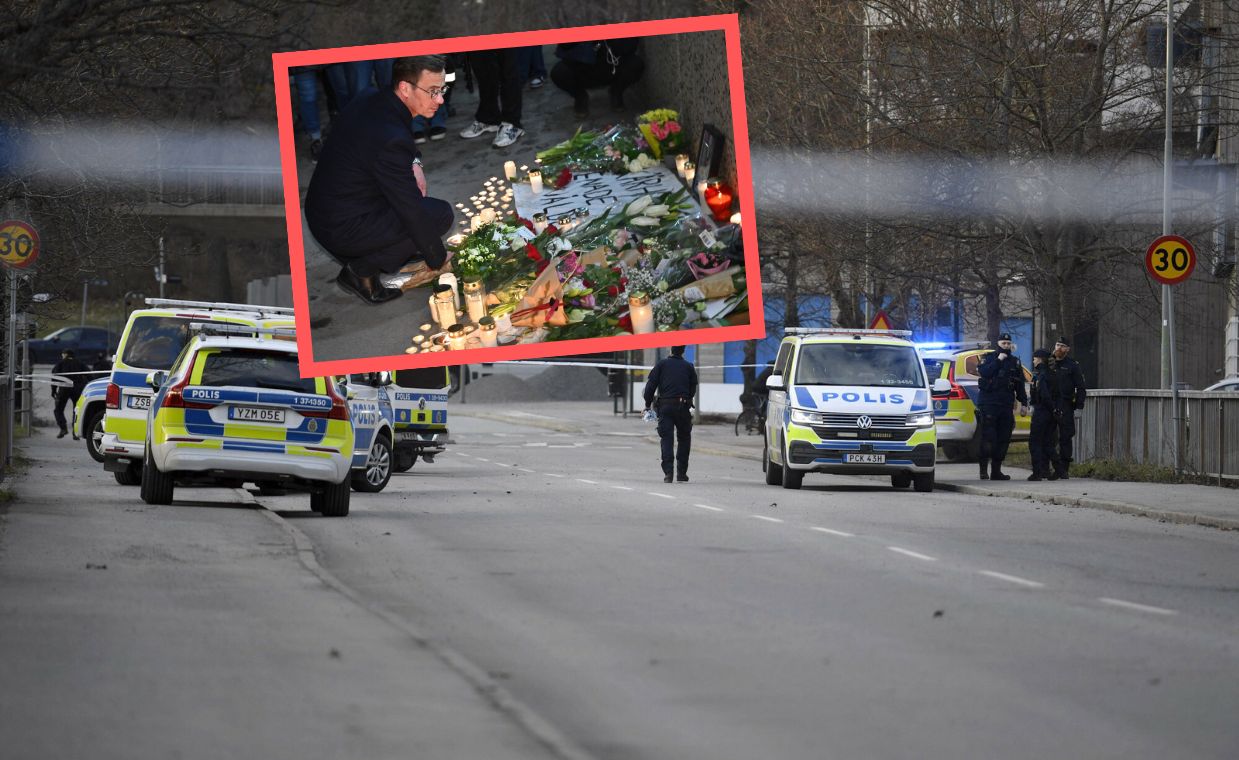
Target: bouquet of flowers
662, 131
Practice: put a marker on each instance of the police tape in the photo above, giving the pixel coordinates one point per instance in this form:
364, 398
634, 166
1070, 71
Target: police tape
59, 379
612, 365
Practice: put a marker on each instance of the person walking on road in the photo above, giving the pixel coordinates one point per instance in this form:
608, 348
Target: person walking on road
1001, 383
67, 394
670, 389
1044, 427
1069, 396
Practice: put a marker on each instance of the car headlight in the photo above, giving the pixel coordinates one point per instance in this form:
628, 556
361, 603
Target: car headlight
921, 419
806, 418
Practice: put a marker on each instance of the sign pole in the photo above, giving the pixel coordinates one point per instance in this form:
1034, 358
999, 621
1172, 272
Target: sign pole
12, 367
1169, 373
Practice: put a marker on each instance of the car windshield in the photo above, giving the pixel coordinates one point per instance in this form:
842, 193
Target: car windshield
428, 377
936, 368
250, 369
155, 342
859, 364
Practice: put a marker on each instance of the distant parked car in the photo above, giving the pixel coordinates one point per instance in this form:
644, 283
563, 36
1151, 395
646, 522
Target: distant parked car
1229, 385
86, 343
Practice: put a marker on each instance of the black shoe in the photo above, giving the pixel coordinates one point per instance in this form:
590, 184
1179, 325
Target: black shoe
75, 437
666, 478
617, 99
437, 133
367, 289
1053, 475
419, 137
1035, 476
63, 433
1063, 475
580, 106
998, 474
682, 477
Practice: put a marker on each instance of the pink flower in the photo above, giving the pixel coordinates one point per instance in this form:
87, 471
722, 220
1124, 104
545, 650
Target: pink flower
673, 127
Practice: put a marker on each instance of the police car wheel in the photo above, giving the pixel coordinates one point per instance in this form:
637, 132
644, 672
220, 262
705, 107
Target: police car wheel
332, 501
157, 487
774, 472
374, 476
130, 476
792, 479
901, 479
923, 482
92, 426
404, 461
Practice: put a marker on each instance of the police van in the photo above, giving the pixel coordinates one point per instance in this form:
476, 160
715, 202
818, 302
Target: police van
851, 402
232, 408
152, 340
419, 400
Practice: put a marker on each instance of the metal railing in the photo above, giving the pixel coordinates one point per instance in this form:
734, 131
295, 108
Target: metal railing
1139, 426
238, 185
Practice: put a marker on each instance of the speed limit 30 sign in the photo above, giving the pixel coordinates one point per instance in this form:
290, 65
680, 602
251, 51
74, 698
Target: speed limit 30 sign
1170, 259
19, 244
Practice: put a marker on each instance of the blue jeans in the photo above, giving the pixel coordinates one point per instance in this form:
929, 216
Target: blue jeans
530, 64
438, 120
359, 75
306, 82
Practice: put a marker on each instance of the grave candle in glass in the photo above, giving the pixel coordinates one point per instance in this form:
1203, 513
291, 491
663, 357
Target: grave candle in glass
718, 198
444, 311
540, 221
488, 331
641, 313
509, 170
456, 337
535, 181
475, 299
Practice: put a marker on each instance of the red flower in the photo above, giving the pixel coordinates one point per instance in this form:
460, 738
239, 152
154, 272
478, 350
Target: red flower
617, 270
552, 229
532, 252
612, 291
528, 224
626, 322
624, 282
542, 265
587, 283
564, 178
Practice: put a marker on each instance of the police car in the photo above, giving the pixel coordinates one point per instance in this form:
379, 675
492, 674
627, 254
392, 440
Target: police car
152, 340
88, 416
370, 406
233, 408
955, 409
853, 402
419, 400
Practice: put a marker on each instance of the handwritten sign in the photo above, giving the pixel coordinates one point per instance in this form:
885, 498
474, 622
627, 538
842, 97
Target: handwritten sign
595, 192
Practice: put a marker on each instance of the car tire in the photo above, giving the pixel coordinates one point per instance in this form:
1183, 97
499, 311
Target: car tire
792, 479
404, 460
923, 482
901, 479
130, 476
92, 432
774, 472
157, 487
333, 500
377, 472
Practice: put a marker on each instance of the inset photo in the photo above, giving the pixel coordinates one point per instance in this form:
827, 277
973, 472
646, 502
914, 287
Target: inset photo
518, 196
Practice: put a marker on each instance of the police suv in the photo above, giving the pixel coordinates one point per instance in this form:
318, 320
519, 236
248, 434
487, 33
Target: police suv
852, 402
152, 340
232, 408
419, 400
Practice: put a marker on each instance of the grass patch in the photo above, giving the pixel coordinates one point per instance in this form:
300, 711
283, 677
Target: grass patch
6, 496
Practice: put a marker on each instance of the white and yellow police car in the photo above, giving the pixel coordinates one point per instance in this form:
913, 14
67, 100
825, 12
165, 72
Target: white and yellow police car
152, 340
370, 406
854, 402
233, 408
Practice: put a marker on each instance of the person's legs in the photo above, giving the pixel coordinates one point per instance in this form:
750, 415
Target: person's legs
419, 129
537, 64
987, 422
382, 73
360, 76
626, 74
62, 398
666, 435
1066, 432
306, 81
1004, 425
337, 79
570, 78
684, 434
510, 81
487, 70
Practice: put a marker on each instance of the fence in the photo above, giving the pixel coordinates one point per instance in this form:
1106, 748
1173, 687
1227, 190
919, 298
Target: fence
190, 185
1138, 426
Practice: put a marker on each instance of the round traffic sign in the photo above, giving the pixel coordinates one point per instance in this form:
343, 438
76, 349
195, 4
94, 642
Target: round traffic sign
1170, 259
19, 244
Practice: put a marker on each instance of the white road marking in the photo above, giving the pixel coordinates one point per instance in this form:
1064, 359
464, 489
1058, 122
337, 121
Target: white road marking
522, 469
621, 488
767, 519
1137, 607
561, 446
832, 532
617, 447
660, 495
911, 554
1013, 579
707, 506
583, 480
552, 475
483, 459
501, 464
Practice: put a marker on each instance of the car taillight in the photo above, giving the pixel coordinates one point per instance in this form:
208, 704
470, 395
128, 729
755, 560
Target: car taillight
112, 400
957, 392
175, 396
339, 405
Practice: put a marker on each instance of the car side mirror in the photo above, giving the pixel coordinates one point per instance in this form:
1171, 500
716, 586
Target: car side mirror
384, 380
775, 383
941, 385
156, 379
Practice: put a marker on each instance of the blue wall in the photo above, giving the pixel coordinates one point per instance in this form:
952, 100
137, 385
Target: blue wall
814, 312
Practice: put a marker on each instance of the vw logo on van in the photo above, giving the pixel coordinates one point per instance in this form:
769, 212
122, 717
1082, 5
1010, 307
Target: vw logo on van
863, 422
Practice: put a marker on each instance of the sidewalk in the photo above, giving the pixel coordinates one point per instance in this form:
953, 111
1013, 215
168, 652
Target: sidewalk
1190, 504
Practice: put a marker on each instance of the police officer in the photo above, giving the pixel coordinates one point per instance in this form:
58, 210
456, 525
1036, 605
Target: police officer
674, 381
67, 394
1001, 383
1044, 427
1069, 397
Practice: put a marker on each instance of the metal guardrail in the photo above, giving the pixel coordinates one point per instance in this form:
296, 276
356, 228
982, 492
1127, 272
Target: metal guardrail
239, 185
1139, 426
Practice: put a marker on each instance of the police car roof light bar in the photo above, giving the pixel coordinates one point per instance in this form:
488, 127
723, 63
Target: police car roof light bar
219, 305
845, 331
940, 345
224, 330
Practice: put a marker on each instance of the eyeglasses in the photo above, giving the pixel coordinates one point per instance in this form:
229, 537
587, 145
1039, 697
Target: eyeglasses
434, 92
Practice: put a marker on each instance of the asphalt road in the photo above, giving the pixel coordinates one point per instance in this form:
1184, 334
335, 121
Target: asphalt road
532, 594
728, 619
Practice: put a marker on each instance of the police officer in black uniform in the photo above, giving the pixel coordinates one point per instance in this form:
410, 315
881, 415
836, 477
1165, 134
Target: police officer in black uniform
1001, 383
1069, 397
67, 395
674, 381
1044, 428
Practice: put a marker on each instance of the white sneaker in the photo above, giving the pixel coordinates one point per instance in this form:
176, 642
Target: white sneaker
508, 134
477, 129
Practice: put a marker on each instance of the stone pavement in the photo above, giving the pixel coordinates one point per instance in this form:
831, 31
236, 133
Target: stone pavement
1192, 504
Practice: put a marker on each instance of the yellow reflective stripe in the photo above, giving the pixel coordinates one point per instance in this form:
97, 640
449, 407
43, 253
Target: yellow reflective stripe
300, 451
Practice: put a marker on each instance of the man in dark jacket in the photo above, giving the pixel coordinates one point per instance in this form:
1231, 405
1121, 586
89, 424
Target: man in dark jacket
1069, 397
1044, 427
1001, 383
613, 64
367, 201
674, 381
67, 394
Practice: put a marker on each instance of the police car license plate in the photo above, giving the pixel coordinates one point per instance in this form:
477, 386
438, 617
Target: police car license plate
406, 436
255, 414
139, 402
864, 458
